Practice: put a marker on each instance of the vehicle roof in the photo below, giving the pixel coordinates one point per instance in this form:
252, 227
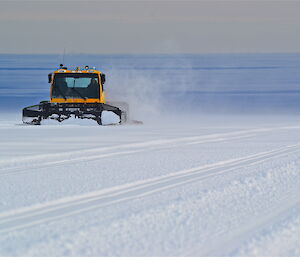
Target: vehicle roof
78, 71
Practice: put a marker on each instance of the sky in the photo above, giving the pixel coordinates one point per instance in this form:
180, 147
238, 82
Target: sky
149, 27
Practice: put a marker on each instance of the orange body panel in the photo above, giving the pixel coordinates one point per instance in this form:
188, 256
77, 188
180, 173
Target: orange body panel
75, 100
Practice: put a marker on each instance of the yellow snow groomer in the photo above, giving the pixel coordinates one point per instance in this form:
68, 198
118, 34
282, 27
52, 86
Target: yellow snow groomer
78, 93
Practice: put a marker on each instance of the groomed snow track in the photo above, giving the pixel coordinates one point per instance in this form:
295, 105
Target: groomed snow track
63, 208
26, 164
236, 189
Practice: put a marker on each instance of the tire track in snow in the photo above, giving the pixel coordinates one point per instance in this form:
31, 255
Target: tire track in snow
30, 216
26, 165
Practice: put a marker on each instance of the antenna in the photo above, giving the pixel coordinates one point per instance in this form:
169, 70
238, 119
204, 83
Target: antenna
63, 59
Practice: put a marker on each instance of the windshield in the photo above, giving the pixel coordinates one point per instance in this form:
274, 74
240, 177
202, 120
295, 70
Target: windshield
71, 85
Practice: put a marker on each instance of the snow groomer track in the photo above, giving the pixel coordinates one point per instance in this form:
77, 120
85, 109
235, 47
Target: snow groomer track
194, 191
65, 207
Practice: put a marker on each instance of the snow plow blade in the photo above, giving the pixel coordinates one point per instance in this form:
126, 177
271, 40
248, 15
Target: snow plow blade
34, 114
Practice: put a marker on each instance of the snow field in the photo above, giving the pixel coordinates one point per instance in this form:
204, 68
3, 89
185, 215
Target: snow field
159, 190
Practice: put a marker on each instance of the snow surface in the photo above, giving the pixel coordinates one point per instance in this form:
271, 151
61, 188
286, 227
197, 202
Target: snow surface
182, 184
195, 189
